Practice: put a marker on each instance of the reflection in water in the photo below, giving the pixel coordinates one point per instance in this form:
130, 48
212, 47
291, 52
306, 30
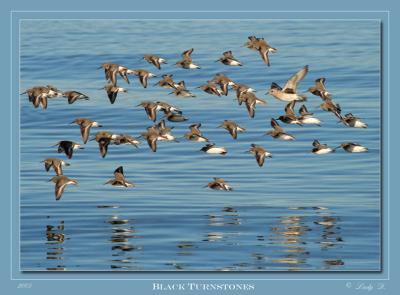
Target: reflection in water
121, 234
228, 218
55, 240
290, 235
331, 237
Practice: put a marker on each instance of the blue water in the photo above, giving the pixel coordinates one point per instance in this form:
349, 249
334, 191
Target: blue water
169, 221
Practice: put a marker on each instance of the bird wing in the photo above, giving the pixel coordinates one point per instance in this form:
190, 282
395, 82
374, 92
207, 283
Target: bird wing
264, 55
47, 166
112, 76
85, 130
233, 132
124, 76
228, 54
143, 80
315, 143
320, 84
303, 111
291, 84
59, 189
151, 113
72, 97
112, 95
58, 169
289, 108
224, 88
119, 170
250, 105
103, 146
260, 157
187, 53
69, 150
43, 101
155, 61
275, 125
152, 141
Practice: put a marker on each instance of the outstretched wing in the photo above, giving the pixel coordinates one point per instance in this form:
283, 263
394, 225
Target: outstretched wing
291, 84
187, 53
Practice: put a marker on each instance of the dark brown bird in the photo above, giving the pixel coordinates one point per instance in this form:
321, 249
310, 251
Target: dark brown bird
278, 132
61, 182
166, 82
143, 76
68, 147
155, 60
224, 82
119, 179
232, 127
112, 92
150, 108
211, 88
229, 60
320, 90
219, 184
56, 164
85, 125
260, 153
74, 96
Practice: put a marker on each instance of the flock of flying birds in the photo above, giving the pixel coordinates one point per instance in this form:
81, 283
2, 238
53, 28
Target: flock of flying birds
219, 86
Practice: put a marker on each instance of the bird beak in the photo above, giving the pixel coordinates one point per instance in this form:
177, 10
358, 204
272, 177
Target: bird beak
100, 126
100, 67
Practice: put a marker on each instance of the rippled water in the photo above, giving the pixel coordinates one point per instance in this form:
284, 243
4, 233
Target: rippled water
298, 212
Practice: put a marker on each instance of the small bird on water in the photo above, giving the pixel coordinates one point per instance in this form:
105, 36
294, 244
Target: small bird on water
219, 184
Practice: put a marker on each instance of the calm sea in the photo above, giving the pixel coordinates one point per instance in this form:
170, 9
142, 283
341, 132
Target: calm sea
299, 212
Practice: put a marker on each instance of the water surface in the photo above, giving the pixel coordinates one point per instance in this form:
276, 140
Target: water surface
298, 212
